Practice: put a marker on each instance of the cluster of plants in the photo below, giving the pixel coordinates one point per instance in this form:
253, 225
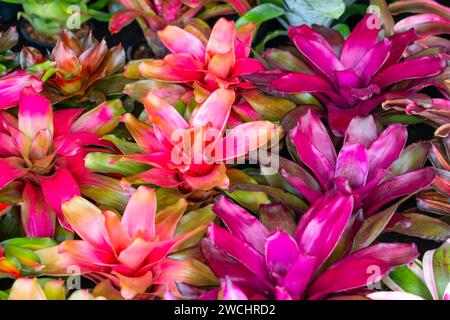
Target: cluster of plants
272, 149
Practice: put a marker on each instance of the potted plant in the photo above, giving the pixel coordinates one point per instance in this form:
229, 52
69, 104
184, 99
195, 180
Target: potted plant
153, 16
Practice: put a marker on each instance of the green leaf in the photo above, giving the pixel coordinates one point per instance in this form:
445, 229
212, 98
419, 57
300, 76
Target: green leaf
31, 243
43, 66
269, 107
27, 258
285, 60
407, 279
4, 295
106, 191
260, 14
11, 224
330, 8
48, 73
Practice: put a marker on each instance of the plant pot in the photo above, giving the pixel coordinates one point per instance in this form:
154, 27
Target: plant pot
139, 50
8, 11
41, 42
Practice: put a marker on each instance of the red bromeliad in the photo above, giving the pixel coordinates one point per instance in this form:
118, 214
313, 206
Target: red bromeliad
41, 156
132, 251
278, 265
353, 77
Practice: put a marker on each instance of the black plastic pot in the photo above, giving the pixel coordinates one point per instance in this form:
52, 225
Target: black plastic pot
29, 41
9, 11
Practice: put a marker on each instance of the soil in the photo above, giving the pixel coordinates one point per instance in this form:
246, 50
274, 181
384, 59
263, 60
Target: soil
51, 41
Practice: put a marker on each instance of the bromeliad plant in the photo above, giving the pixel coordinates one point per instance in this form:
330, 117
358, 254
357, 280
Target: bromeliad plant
428, 279
41, 158
133, 251
154, 15
191, 155
76, 65
353, 77
278, 265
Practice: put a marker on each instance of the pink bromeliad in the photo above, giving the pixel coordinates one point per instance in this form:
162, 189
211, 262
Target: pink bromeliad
131, 251
41, 156
259, 264
193, 154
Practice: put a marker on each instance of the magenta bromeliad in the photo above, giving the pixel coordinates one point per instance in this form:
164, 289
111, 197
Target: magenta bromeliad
245, 151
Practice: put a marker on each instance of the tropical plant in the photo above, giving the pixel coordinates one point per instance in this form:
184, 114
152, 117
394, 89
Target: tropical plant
204, 64
41, 158
154, 15
50, 17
